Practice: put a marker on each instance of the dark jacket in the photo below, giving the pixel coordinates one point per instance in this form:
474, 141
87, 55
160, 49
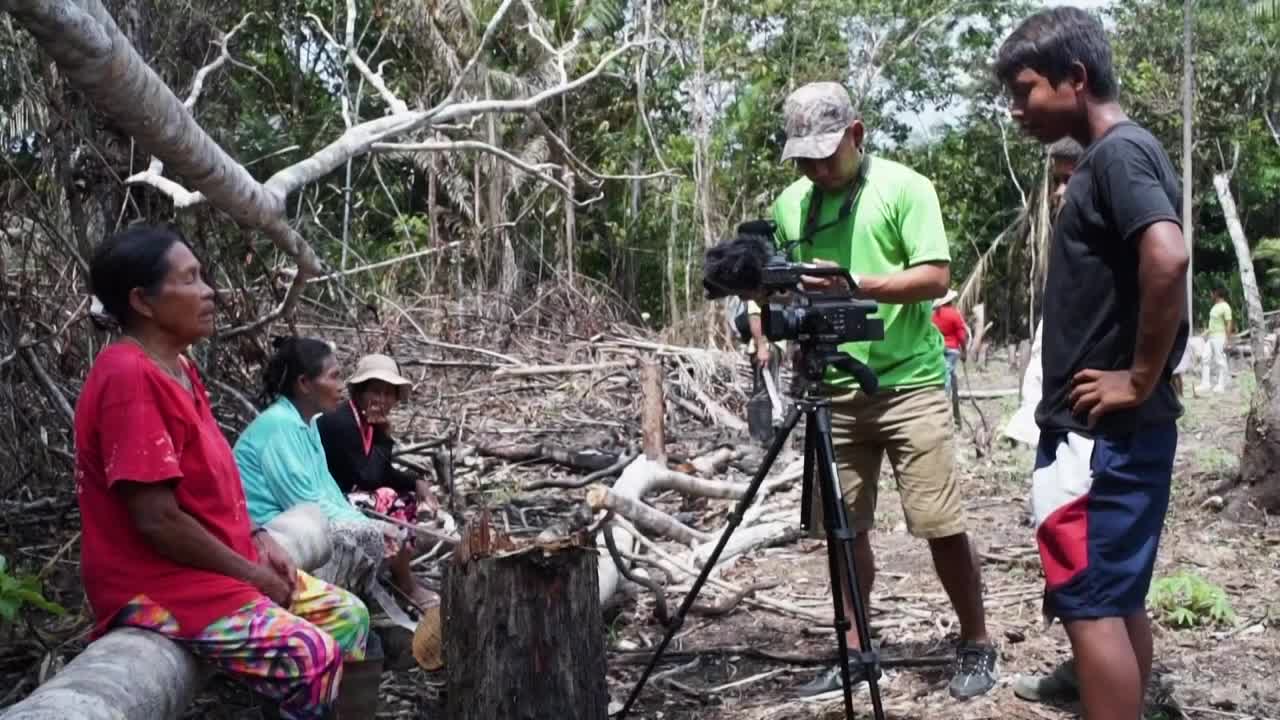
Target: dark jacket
350, 467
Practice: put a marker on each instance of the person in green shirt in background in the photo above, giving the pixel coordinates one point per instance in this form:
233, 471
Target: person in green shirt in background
881, 221
1221, 328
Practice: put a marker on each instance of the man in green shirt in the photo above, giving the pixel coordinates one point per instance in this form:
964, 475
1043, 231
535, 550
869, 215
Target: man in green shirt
1221, 328
881, 221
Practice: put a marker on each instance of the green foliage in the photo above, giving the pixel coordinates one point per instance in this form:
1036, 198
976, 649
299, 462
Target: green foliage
1187, 600
18, 592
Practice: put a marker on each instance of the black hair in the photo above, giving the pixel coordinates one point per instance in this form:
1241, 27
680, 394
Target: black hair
1066, 149
1051, 40
294, 357
133, 258
1221, 292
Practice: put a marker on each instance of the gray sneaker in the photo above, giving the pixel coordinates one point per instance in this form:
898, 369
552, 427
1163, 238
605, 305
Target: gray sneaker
975, 673
1059, 685
829, 680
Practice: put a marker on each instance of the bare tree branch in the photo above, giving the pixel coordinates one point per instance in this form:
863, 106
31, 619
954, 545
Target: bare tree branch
1008, 162
454, 145
224, 54
396, 105
489, 30
290, 297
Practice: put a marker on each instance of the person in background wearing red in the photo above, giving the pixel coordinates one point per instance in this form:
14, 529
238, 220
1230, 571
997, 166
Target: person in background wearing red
955, 333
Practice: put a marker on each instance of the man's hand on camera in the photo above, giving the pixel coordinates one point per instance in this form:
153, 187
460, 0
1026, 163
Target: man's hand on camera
826, 282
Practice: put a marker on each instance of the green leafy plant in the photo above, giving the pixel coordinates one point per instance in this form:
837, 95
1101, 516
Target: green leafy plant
20, 591
1188, 600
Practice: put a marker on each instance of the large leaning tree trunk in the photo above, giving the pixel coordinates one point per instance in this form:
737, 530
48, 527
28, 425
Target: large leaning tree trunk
99, 60
1248, 280
1260, 462
134, 674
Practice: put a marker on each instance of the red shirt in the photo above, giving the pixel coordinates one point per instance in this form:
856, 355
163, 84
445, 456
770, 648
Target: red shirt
134, 422
951, 324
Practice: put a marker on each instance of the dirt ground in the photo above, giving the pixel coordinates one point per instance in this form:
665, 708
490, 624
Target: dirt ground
1219, 672
746, 664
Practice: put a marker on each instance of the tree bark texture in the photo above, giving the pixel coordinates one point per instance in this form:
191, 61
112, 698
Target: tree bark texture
1260, 461
1188, 143
1248, 281
526, 633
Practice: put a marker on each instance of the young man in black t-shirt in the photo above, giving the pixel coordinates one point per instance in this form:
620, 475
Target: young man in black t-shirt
1114, 329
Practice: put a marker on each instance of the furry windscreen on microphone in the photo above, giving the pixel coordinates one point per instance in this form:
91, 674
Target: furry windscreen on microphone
735, 266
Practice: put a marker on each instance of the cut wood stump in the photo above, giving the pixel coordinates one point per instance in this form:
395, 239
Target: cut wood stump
525, 638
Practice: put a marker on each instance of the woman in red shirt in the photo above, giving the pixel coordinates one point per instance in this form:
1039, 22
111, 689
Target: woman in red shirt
167, 543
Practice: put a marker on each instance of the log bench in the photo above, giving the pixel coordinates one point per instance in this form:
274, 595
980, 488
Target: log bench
133, 674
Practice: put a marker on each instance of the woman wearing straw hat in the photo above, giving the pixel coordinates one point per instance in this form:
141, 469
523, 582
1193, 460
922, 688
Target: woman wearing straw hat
358, 447
283, 462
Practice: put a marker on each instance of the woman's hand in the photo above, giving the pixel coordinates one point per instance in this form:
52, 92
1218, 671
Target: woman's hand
276, 559
272, 585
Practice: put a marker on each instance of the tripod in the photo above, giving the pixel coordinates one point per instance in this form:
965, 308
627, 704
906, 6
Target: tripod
820, 467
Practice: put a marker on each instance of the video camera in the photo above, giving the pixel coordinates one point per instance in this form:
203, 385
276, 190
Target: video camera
751, 264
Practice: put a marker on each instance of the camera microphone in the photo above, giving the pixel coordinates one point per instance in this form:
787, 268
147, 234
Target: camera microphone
736, 266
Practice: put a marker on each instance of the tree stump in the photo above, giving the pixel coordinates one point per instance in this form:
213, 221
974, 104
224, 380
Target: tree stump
524, 633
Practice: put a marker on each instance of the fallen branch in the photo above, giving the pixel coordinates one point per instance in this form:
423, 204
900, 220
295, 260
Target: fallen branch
651, 519
746, 539
729, 602
716, 460
426, 532
640, 657
586, 460
561, 369
678, 566
659, 595
577, 483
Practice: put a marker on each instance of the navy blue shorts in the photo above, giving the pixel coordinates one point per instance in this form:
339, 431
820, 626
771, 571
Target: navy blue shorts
1100, 505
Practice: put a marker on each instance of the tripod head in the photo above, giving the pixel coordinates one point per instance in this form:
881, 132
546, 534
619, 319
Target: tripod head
817, 357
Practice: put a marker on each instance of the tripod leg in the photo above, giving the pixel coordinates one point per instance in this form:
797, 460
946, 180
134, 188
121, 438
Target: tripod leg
735, 519
840, 555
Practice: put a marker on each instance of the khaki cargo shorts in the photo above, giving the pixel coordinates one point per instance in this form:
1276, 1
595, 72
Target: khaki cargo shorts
914, 428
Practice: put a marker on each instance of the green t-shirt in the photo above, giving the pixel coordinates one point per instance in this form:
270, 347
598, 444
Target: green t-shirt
897, 224
1219, 319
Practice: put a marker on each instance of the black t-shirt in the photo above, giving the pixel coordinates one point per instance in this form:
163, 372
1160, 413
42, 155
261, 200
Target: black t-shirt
1122, 184
351, 467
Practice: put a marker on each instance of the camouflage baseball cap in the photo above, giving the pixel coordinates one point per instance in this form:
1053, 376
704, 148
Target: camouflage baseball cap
816, 116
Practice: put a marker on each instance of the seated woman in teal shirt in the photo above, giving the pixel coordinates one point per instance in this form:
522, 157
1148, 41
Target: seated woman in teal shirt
282, 463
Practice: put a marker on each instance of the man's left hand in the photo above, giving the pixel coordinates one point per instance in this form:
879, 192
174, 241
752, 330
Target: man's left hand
825, 282
271, 555
1098, 392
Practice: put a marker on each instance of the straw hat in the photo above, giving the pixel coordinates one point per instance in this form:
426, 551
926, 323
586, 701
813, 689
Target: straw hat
380, 367
949, 297
428, 640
